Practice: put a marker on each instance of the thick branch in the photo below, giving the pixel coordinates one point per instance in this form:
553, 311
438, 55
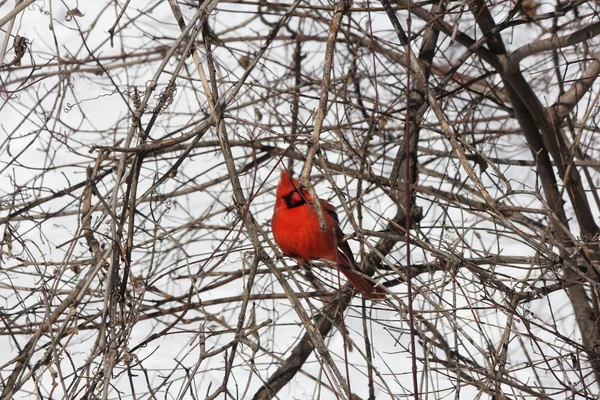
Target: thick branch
565, 104
555, 42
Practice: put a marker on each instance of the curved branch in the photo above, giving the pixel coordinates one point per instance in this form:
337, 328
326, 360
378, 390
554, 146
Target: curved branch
553, 43
565, 103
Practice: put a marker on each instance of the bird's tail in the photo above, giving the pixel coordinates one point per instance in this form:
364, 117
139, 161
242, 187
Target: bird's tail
361, 283
364, 285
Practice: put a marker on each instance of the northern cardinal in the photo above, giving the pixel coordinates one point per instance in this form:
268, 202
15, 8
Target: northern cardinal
298, 234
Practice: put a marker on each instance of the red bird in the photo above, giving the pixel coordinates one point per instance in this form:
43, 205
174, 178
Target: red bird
298, 234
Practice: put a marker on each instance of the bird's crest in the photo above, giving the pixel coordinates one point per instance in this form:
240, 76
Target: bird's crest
288, 184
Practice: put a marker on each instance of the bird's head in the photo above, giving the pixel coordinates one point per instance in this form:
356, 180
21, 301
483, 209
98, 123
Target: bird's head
289, 192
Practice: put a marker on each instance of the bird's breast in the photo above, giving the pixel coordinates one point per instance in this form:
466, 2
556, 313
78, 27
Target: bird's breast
297, 233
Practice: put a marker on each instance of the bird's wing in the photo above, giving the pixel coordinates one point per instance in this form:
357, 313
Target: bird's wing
345, 249
330, 209
339, 235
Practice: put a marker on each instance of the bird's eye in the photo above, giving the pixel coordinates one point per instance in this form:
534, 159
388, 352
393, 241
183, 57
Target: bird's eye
296, 198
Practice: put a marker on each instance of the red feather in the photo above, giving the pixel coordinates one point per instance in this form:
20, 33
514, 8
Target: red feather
298, 234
